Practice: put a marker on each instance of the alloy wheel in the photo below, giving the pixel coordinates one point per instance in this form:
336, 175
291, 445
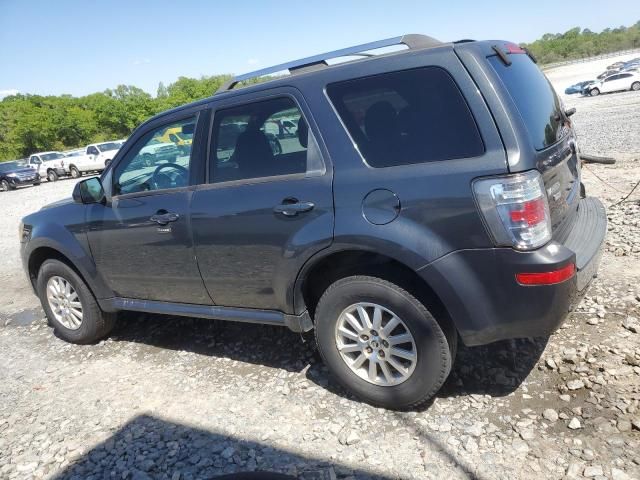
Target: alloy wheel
376, 344
64, 302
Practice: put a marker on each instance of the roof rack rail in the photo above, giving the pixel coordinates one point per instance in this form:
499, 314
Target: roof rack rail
413, 41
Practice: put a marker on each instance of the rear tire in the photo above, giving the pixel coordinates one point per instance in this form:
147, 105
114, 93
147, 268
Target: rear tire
94, 323
52, 176
75, 173
594, 92
635, 86
416, 381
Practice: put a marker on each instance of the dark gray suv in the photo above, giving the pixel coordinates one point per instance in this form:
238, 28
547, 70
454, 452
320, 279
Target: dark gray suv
412, 198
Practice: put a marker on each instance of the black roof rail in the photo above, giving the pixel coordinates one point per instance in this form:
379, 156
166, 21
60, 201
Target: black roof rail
413, 41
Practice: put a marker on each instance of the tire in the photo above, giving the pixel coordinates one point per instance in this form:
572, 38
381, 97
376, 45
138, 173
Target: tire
635, 86
5, 186
434, 349
147, 159
594, 92
75, 173
94, 325
52, 176
107, 162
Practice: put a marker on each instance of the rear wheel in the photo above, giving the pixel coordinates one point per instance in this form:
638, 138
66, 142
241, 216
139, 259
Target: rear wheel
52, 176
381, 343
5, 186
594, 92
70, 306
75, 173
635, 86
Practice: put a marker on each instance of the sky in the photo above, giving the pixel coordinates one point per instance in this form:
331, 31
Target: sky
77, 47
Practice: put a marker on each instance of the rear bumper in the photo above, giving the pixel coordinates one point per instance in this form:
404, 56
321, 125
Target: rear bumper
487, 304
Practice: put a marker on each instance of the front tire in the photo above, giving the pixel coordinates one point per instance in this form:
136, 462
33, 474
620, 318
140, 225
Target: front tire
75, 173
594, 92
381, 343
70, 306
5, 186
635, 86
52, 176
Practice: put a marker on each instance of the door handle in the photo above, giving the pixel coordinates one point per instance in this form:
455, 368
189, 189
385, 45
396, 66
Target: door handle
292, 207
164, 218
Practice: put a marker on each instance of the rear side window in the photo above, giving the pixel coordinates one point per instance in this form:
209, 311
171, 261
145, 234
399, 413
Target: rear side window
407, 117
535, 99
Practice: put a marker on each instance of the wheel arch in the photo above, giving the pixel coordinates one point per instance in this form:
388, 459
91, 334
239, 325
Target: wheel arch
74, 257
322, 271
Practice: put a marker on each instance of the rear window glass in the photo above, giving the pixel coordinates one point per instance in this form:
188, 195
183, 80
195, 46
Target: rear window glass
407, 117
534, 97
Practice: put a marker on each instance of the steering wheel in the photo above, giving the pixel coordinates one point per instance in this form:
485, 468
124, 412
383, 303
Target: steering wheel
156, 177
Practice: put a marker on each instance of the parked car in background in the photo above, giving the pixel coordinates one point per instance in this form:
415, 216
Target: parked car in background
578, 87
48, 164
606, 73
16, 174
616, 83
94, 158
178, 138
425, 198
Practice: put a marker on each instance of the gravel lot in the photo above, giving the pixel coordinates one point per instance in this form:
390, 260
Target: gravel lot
184, 398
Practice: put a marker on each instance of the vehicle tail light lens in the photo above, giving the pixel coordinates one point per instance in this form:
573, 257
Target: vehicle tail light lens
547, 278
515, 209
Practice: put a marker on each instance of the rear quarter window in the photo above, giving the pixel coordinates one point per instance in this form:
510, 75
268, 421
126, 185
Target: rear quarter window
534, 97
407, 117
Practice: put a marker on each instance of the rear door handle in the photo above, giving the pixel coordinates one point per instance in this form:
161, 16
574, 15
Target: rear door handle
164, 218
294, 208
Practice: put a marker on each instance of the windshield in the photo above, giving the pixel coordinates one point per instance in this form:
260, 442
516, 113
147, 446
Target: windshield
105, 147
534, 97
6, 166
51, 156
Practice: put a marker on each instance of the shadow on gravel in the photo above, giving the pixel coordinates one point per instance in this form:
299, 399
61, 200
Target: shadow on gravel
148, 448
496, 369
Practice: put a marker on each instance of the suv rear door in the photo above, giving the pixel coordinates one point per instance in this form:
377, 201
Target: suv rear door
268, 203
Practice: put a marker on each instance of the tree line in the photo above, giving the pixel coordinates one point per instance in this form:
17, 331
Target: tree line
32, 123
580, 43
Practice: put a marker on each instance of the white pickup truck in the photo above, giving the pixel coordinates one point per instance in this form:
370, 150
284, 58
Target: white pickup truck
49, 164
95, 158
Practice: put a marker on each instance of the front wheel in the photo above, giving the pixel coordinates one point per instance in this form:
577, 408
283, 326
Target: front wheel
70, 306
52, 176
635, 86
594, 92
381, 343
75, 173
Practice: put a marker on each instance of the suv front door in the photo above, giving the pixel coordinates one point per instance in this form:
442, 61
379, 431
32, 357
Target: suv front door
141, 239
268, 206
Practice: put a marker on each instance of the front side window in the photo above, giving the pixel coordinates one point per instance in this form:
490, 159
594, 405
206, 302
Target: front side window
93, 151
154, 164
262, 139
407, 117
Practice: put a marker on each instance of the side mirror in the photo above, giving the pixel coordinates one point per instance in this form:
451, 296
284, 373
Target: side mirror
89, 191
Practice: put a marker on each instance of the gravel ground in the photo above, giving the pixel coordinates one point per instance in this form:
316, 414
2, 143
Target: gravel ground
184, 398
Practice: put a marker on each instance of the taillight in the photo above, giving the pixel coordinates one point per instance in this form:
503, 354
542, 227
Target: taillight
515, 209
